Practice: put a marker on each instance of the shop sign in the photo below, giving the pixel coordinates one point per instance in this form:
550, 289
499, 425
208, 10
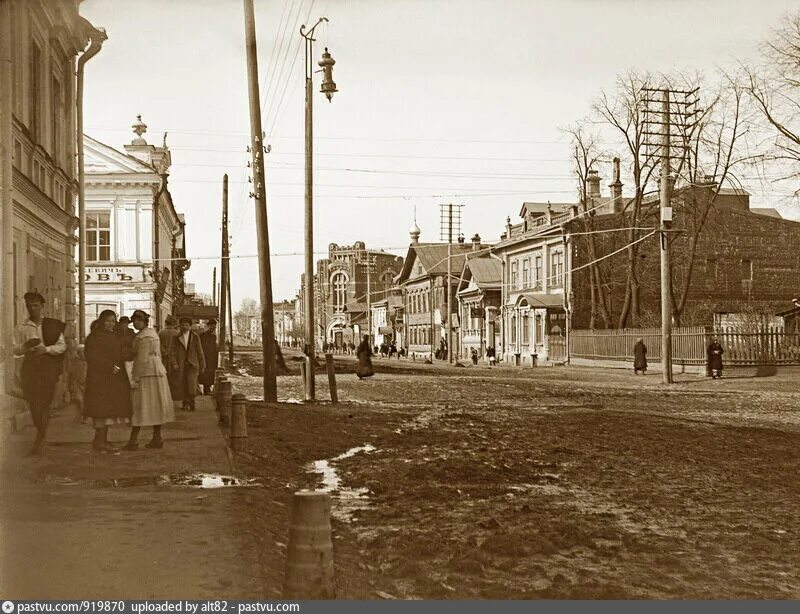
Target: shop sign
114, 274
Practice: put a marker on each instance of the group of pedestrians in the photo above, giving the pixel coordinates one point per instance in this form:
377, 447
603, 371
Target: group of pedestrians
133, 377
714, 353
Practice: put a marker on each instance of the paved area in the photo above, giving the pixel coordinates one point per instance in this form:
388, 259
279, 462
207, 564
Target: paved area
69, 531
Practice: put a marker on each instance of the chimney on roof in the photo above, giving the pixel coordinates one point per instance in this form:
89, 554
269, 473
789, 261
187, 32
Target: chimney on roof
476, 242
593, 180
508, 227
616, 205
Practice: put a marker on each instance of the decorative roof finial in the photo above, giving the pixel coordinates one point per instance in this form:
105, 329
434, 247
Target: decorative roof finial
139, 128
415, 232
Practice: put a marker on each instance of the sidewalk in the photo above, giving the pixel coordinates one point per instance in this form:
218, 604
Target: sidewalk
67, 532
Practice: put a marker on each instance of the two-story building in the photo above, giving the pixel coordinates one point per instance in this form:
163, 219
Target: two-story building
134, 237
479, 300
424, 282
39, 43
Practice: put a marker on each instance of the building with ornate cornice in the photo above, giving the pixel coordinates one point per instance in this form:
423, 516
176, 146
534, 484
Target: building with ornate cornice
39, 43
135, 239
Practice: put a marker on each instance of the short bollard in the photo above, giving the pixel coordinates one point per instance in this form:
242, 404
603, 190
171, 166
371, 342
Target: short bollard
331, 377
309, 556
224, 391
238, 422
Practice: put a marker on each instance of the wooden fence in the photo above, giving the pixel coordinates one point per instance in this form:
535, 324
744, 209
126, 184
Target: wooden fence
769, 346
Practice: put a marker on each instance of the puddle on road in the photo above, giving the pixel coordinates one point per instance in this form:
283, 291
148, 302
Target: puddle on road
193, 480
345, 500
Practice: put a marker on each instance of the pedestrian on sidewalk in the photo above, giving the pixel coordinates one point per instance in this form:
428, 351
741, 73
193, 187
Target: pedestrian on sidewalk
152, 402
364, 354
186, 364
714, 358
639, 357
474, 356
40, 341
208, 341
107, 400
167, 336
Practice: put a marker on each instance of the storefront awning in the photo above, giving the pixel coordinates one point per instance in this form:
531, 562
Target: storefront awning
540, 300
385, 330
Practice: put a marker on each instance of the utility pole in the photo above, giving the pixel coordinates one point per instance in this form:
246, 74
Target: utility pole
664, 118
259, 195
450, 221
214, 288
223, 287
328, 88
230, 311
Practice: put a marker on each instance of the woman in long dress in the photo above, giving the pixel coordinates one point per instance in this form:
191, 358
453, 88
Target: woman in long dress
107, 399
364, 354
639, 357
152, 401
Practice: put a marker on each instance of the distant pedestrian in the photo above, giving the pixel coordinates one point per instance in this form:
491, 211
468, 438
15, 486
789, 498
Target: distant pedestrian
714, 358
393, 350
208, 341
639, 357
474, 356
186, 364
107, 400
41, 342
490, 354
364, 353
152, 401
166, 336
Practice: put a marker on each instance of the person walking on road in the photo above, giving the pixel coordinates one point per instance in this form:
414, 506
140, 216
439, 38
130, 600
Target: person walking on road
152, 401
364, 353
208, 341
639, 357
186, 364
166, 336
40, 341
107, 399
714, 358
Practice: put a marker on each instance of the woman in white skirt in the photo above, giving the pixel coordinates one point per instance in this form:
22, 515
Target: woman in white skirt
152, 401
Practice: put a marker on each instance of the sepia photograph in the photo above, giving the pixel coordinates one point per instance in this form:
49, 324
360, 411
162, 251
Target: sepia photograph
440, 302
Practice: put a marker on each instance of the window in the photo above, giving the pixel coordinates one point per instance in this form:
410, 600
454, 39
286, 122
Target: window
339, 282
513, 329
526, 273
557, 268
98, 236
57, 120
514, 275
526, 330
36, 91
747, 277
537, 331
537, 271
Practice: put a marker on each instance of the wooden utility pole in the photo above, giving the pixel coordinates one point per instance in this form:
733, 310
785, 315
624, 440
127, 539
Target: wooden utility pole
230, 311
223, 287
449, 280
214, 287
666, 222
259, 194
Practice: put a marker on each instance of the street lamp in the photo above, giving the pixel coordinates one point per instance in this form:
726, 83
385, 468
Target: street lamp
328, 88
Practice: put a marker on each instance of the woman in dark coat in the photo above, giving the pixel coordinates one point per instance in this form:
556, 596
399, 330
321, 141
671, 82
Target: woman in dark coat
639, 357
107, 399
364, 353
714, 355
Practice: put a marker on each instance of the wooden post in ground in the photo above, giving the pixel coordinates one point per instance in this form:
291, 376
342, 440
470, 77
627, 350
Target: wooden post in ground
331, 377
309, 555
238, 422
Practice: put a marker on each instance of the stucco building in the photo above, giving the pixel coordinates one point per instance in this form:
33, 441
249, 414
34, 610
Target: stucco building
39, 43
135, 238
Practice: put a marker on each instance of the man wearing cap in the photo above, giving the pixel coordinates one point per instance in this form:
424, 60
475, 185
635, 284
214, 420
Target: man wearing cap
186, 363
208, 340
41, 342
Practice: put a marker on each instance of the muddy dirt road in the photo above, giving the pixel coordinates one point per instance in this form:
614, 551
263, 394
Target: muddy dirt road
554, 483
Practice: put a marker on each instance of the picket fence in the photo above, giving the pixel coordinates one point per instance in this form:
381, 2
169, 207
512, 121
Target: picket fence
770, 346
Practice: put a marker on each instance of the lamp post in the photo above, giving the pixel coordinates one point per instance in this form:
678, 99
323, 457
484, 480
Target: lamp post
328, 88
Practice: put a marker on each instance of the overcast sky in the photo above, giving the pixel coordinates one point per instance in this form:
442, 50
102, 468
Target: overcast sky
461, 101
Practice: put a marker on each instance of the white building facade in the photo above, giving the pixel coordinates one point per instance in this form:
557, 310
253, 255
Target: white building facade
135, 258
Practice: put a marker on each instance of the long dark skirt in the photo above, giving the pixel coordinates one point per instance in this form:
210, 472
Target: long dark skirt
364, 366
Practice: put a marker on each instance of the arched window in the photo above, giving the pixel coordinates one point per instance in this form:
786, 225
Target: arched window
339, 283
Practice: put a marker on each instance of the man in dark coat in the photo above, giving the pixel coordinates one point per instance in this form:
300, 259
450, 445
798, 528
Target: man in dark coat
126, 336
186, 362
639, 357
41, 342
364, 353
714, 356
208, 340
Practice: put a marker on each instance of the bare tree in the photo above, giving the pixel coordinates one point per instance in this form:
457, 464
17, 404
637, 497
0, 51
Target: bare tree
775, 89
622, 114
586, 157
